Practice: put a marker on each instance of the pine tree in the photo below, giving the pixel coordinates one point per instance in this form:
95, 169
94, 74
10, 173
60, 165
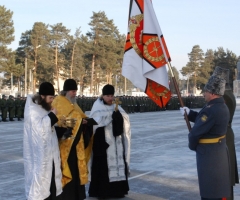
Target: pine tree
104, 39
59, 38
206, 68
194, 68
42, 68
34, 44
6, 36
73, 51
226, 60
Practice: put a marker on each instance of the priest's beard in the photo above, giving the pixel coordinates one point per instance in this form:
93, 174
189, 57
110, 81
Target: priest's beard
42, 102
71, 99
45, 105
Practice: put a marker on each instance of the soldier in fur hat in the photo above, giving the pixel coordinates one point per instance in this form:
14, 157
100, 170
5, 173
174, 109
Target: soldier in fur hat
208, 139
230, 101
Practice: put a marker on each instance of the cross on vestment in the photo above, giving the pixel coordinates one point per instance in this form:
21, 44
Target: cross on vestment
117, 102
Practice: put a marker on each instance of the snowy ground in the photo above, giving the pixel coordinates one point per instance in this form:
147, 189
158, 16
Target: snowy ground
162, 166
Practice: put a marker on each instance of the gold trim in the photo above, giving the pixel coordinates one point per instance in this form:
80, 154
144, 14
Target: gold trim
134, 23
155, 49
159, 94
211, 140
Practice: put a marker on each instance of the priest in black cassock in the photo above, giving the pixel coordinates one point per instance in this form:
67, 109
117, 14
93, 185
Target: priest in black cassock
109, 164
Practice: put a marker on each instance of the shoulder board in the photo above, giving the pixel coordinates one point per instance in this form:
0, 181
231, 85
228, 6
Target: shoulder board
209, 106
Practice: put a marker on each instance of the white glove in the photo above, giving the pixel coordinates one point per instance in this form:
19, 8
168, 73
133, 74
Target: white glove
184, 108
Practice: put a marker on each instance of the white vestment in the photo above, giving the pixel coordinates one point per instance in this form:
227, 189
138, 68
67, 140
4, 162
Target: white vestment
102, 114
40, 150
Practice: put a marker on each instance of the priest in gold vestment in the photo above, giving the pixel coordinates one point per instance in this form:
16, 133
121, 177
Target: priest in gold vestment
74, 151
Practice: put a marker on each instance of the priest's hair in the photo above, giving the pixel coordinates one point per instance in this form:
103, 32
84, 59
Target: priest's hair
65, 94
37, 99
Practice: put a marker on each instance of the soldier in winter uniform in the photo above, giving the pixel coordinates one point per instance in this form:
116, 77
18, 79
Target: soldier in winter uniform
11, 107
230, 101
1, 106
18, 108
4, 108
23, 102
208, 139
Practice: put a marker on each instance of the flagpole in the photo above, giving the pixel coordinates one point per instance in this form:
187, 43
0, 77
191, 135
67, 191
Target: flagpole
179, 95
129, 13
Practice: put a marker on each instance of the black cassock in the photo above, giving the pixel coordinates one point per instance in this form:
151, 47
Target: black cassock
74, 190
100, 185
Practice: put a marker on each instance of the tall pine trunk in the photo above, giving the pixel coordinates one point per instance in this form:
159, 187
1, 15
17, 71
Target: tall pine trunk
18, 83
73, 52
92, 73
56, 67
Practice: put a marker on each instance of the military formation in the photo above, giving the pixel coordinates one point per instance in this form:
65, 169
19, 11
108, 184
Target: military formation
13, 107
135, 104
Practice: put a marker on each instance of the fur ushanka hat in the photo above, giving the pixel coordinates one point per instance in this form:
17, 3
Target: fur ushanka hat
215, 85
224, 74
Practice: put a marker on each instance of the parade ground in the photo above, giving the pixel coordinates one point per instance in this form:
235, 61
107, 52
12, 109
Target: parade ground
162, 166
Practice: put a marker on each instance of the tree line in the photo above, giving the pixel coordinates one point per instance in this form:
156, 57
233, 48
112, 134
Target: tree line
51, 53
201, 65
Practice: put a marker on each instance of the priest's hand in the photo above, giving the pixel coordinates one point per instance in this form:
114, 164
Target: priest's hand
84, 121
54, 111
67, 134
117, 123
182, 110
116, 115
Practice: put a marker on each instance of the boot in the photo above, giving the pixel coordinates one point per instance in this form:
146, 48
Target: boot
4, 120
19, 119
11, 119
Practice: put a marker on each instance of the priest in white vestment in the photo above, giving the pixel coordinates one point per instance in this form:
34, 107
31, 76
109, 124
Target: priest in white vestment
109, 164
40, 147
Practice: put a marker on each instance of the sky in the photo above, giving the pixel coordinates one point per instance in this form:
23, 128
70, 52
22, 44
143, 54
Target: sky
184, 23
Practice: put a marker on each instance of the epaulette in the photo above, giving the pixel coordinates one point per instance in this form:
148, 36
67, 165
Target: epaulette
209, 106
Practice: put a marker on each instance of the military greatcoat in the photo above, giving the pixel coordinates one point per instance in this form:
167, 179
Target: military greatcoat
212, 159
231, 104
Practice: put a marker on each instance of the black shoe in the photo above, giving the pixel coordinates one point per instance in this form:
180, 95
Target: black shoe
19, 119
4, 120
11, 119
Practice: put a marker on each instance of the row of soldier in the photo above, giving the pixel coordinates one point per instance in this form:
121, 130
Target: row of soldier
132, 104
14, 107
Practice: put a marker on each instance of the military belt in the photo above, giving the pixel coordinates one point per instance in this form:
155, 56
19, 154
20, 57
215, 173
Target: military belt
211, 140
